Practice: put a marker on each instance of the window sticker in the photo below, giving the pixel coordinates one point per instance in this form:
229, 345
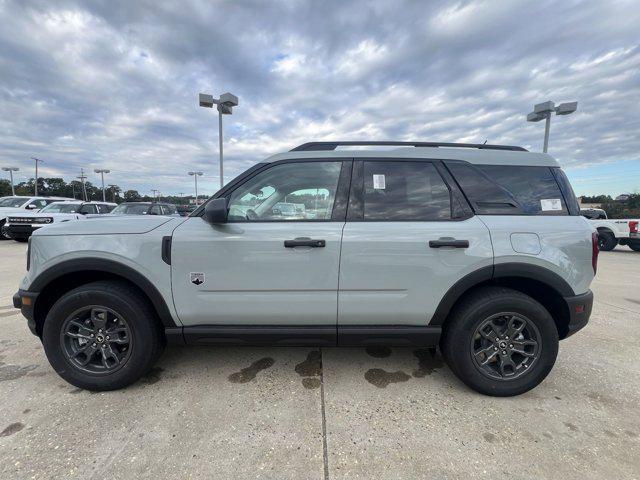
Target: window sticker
548, 204
379, 182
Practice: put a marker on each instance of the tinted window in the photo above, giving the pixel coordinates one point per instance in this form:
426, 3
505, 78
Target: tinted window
39, 203
286, 192
169, 209
514, 190
155, 210
567, 191
131, 209
405, 191
88, 208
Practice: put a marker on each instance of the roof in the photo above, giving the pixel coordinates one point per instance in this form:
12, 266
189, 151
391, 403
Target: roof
476, 154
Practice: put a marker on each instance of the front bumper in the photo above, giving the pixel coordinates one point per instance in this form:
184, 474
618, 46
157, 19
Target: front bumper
580, 307
22, 230
25, 301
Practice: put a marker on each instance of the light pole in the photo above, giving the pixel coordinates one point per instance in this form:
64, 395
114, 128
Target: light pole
154, 193
195, 176
82, 178
181, 194
36, 182
225, 105
543, 111
11, 170
102, 171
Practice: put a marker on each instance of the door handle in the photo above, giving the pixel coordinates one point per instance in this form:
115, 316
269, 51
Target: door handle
449, 242
304, 242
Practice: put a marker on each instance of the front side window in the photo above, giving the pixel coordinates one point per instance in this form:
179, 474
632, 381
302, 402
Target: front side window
88, 208
287, 192
12, 202
38, 204
405, 191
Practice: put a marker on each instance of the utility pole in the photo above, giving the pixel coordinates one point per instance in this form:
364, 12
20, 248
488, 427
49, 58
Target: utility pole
154, 193
11, 170
82, 178
113, 192
36, 182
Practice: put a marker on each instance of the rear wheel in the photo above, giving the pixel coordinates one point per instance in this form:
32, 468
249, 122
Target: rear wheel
606, 241
634, 245
102, 336
500, 342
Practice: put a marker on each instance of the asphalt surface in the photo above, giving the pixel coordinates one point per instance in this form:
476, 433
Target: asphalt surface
337, 413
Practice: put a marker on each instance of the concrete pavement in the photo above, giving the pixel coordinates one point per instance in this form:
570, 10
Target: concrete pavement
339, 413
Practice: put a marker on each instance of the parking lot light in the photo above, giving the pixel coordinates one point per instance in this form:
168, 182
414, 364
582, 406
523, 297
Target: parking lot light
11, 170
543, 111
102, 171
195, 175
225, 105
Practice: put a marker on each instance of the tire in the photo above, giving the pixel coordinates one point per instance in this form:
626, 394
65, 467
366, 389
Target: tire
606, 241
137, 340
4, 233
461, 336
634, 245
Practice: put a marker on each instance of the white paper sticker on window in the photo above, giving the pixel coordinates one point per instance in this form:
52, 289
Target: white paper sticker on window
548, 204
379, 182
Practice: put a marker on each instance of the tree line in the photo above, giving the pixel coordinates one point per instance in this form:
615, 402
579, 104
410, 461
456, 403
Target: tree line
629, 208
57, 187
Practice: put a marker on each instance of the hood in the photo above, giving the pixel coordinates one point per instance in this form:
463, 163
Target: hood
106, 226
4, 211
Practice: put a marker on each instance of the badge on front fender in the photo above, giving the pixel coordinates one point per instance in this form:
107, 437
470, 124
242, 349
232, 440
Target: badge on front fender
197, 278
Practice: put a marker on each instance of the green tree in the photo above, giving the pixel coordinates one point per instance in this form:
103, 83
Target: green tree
132, 196
5, 188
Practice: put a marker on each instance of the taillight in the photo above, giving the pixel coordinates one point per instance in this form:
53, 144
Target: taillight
633, 227
594, 251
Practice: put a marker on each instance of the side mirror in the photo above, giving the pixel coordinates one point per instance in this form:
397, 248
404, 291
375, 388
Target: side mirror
215, 212
32, 207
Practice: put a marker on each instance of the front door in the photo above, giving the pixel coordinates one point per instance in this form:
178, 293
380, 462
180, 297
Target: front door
275, 263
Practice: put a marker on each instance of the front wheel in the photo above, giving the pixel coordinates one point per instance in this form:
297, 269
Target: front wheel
500, 342
4, 231
102, 336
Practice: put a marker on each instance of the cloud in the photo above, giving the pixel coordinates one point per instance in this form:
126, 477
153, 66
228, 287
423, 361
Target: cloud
114, 84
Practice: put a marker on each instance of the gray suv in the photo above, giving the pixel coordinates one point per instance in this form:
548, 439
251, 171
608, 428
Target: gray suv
477, 249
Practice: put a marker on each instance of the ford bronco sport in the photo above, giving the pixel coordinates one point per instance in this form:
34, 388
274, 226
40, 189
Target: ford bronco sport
477, 249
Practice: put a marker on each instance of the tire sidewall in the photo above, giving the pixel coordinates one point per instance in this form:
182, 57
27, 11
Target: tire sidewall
461, 354
140, 326
608, 240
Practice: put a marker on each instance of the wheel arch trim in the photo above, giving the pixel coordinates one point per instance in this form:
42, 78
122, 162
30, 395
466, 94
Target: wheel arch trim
76, 265
496, 271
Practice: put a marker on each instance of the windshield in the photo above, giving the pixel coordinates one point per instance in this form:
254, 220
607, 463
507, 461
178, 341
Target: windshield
131, 209
12, 202
61, 208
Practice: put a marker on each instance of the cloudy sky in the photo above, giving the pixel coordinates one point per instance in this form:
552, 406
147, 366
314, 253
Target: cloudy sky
106, 84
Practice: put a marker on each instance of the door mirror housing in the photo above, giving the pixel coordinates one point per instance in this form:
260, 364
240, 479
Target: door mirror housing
31, 207
215, 212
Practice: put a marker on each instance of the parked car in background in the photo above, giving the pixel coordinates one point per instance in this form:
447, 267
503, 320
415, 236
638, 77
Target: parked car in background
185, 210
18, 204
146, 208
613, 232
20, 227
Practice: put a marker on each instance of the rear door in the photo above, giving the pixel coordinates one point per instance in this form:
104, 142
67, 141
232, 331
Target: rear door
408, 239
263, 267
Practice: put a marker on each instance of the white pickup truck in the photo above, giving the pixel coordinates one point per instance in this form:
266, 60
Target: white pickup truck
611, 232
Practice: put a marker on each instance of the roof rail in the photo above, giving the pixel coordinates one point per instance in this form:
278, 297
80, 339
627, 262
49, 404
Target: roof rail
314, 146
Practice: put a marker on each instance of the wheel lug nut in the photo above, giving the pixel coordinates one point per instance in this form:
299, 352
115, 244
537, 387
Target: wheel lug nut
510, 345
92, 335
504, 352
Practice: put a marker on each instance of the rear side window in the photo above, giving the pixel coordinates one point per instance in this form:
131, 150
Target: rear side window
510, 190
404, 191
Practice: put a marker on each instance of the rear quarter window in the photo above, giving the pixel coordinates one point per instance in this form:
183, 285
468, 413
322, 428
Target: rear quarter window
510, 190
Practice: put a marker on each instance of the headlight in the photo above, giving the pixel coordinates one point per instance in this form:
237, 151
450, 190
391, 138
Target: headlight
43, 220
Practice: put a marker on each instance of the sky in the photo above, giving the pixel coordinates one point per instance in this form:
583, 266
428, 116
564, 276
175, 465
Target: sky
114, 84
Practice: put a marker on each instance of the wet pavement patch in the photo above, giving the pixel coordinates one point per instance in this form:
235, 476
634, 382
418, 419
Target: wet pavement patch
154, 376
429, 360
378, 352
381, 378
310, 368
11, 429
13, 372
249, 373
489, 437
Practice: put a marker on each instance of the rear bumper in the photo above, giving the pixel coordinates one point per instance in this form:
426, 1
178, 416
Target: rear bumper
579, 311
25, 301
